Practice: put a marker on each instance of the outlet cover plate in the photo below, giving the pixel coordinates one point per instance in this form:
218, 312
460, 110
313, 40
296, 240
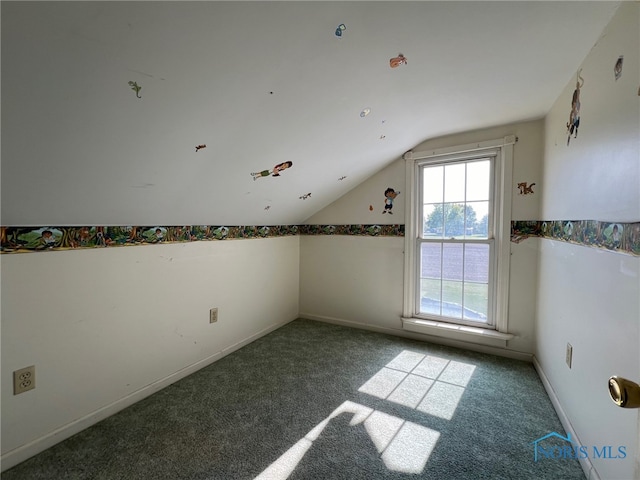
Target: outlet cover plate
24, 380
213, 315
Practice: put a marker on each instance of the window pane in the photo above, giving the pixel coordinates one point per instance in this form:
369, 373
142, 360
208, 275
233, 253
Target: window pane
452, 261
454, 182
430, 273
476, 262
453, 220
478, 180
430, 260
433, 220
477, 220
432, 184
476, 301
430, 299
451, 299
476, 278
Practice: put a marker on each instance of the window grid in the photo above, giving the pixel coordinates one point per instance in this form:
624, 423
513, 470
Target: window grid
464, 239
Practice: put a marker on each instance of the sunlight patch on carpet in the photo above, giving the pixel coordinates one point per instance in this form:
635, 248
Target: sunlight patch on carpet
426, 383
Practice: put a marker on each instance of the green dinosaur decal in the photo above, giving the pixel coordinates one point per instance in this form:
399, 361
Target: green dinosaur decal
136, 88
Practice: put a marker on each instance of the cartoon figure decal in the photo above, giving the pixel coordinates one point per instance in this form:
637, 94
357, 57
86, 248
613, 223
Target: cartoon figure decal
524, 190
617, 69
199, 147
341, 28
397, 61
275, 172
574, 115
389, 196
136, 88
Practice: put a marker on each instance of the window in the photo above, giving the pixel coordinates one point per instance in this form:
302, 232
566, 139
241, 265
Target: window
457, 240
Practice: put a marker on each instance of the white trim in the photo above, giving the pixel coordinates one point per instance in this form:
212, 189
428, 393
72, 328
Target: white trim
442, 328
461, 149
410, 227
588, 468
503, 245
28, 450
438, 340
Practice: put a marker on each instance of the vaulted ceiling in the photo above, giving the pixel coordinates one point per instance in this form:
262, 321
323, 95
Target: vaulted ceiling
258, 83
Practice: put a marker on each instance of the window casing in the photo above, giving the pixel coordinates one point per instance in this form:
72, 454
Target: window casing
421, 234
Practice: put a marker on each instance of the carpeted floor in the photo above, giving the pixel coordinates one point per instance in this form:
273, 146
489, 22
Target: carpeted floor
320, 401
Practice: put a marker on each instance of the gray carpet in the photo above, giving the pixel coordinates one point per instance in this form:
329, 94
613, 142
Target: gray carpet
245, 415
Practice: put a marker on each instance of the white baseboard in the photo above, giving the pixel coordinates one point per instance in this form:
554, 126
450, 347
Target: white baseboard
587, 467
28, 450
501, 352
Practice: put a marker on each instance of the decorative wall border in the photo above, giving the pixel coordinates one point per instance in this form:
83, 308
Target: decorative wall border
34, 239
357, 229
613, 236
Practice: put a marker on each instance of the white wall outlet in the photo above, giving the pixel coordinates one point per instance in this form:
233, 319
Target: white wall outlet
24, 379
569, 355
213, 315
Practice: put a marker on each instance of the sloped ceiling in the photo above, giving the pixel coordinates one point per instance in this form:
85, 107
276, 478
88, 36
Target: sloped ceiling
258, 83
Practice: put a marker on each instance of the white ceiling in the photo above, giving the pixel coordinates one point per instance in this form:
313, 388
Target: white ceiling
259, 83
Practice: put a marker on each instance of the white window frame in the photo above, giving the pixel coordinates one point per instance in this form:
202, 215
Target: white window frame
496, 334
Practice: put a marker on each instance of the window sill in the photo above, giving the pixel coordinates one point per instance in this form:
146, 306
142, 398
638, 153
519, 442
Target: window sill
465, 333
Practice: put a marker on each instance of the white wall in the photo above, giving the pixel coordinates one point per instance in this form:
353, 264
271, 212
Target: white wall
353, 207
360, 279
589, 297
106, 327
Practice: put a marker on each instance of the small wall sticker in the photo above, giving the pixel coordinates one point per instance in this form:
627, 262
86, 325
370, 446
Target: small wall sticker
389, 196
524, 190
136, 88
341, 28
617, 68
365, 112
342, 178
200, 147
395, 62
305, 196
574, 115
274, 172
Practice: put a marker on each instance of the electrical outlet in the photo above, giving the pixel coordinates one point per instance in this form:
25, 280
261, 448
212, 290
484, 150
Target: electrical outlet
213, 315
569, 355
24, 379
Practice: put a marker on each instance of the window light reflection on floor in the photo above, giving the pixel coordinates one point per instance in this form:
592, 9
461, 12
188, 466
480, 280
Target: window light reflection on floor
404, 446
429, 384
